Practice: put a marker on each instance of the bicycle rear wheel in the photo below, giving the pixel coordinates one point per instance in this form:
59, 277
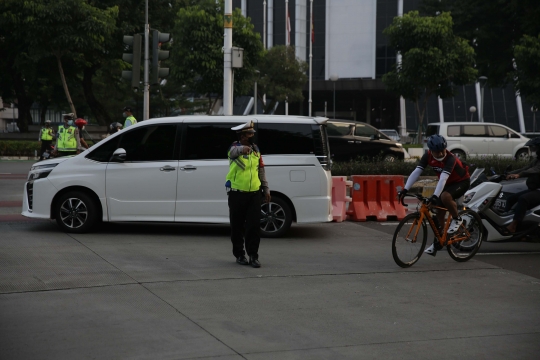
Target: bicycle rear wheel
409, 240
470, 236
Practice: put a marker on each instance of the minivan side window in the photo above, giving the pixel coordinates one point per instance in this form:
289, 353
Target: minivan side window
474, 130
104, 151
339, 129
497, 131
432, 130
207, 141
365, 130
149, 143
453, 130
285, 139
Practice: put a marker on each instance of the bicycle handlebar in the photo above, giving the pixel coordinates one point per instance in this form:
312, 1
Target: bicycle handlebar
419, 197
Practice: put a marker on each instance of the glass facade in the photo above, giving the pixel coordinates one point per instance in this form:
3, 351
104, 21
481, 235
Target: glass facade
385, 55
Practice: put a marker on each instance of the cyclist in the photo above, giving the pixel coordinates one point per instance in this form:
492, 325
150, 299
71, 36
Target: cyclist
454, 181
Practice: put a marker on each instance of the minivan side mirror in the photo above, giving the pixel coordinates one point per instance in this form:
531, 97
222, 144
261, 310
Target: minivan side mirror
119, 155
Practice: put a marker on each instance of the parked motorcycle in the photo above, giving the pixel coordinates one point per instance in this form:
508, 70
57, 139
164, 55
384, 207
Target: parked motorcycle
488, 196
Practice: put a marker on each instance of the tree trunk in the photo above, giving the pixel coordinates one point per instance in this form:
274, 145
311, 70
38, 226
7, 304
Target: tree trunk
102, 117
64, 84
43, 106
23, 102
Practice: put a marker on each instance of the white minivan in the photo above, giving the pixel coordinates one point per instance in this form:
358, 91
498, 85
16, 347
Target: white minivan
470, 139
173, 170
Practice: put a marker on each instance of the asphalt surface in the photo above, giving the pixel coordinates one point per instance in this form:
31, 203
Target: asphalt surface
326, 291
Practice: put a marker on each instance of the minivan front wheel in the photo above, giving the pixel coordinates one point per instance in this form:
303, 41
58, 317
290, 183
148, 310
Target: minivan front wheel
76, 212
459, 154
522, 154
276, 218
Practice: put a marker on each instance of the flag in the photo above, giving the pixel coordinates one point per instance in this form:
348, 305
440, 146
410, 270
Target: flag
312, 30
288, 26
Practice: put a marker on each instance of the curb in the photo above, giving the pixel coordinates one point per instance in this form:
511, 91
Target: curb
19, 158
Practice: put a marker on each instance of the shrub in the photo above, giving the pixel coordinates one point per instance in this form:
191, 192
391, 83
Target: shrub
365, 166
18, 147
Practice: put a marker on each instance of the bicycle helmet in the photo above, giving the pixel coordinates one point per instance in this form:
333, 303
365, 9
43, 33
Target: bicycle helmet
436, 143
80, 123
533, 142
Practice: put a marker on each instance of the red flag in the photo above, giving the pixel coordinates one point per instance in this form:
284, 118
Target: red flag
312, 30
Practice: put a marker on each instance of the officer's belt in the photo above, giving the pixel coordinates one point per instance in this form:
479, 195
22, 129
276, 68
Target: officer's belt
242, 191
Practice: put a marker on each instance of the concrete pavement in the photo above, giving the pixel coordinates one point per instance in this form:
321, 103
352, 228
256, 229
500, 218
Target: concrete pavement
327, 291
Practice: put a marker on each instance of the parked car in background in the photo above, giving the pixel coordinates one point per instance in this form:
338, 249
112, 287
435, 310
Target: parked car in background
392, 134
351, 139
470, 139
173, 170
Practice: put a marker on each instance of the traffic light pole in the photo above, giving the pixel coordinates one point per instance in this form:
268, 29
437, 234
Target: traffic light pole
146, 101
227, 60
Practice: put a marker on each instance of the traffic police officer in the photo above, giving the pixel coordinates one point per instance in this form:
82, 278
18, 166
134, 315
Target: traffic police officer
68, 141
245, 181
130, 119
46, 136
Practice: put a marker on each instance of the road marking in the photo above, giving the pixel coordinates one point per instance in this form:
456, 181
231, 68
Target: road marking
390, 223
510, 253
5, 173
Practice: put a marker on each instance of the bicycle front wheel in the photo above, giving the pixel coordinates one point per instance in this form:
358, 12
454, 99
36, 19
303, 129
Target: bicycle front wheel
464, 244
409, 240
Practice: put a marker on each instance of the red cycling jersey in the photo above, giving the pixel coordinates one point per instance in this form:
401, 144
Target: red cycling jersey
450, 165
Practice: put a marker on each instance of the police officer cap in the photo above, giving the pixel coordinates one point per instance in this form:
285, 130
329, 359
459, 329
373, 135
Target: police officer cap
127, 108
47, 121
69, 115
247, 127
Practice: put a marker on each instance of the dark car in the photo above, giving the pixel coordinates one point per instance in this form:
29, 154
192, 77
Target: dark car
352, 139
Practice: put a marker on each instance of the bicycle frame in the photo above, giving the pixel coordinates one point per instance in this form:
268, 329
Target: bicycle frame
424, 214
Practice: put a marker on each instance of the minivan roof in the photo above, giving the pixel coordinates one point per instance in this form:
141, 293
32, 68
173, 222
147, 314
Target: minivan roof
465, 123
241, 118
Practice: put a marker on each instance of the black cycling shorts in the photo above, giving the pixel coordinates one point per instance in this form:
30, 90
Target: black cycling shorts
457, 189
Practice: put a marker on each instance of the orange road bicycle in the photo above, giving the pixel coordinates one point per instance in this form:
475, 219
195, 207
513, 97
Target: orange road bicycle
411, 234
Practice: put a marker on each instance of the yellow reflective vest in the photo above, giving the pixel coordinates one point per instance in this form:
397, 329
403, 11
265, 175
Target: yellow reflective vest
132, 119
244, 171
66, 139
46, 134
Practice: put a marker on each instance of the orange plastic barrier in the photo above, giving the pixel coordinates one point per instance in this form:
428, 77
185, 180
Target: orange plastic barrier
376, 196
340, 198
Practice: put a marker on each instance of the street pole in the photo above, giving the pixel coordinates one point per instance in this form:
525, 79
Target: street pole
483, 81
264, 24
146, 91
255, 96
334, 99
227, 60
310, 53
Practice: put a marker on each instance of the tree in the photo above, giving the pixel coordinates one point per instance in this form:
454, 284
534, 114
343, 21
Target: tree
527, 73
65, 29
283, 76
197, 56
433, 60
493, 28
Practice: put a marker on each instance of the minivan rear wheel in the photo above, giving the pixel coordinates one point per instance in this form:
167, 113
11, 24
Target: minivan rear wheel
276, 218
459, 154
390, 158
76, 212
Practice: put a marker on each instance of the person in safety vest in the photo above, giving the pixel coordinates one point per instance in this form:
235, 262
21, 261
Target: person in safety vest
46, 136
454, 181
80, 123
68, 141
130, 119
244, 183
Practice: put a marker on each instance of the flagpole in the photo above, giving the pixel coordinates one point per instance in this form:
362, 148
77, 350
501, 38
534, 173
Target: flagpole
310, 52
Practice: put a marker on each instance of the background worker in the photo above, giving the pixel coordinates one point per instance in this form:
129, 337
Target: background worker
245, 180
81, 123
46, 136
130, 119
68, 141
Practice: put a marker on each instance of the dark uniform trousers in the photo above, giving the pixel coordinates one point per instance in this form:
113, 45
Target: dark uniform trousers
45, 145
245, 217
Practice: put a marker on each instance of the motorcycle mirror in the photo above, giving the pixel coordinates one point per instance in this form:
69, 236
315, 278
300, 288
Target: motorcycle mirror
493, 170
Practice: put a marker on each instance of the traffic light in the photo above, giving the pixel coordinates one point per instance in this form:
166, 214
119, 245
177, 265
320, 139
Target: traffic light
134, 59
158, 73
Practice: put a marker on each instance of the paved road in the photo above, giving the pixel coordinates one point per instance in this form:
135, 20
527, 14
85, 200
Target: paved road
326, 291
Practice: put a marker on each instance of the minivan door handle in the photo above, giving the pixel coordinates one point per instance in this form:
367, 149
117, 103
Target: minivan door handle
188, 167
167, 168
351, 141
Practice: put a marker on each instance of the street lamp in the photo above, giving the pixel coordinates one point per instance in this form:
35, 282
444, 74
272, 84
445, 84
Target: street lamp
483, 81
334, 78
472, 109
534, 109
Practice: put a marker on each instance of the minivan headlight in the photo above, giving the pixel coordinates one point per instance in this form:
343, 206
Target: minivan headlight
40, 171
